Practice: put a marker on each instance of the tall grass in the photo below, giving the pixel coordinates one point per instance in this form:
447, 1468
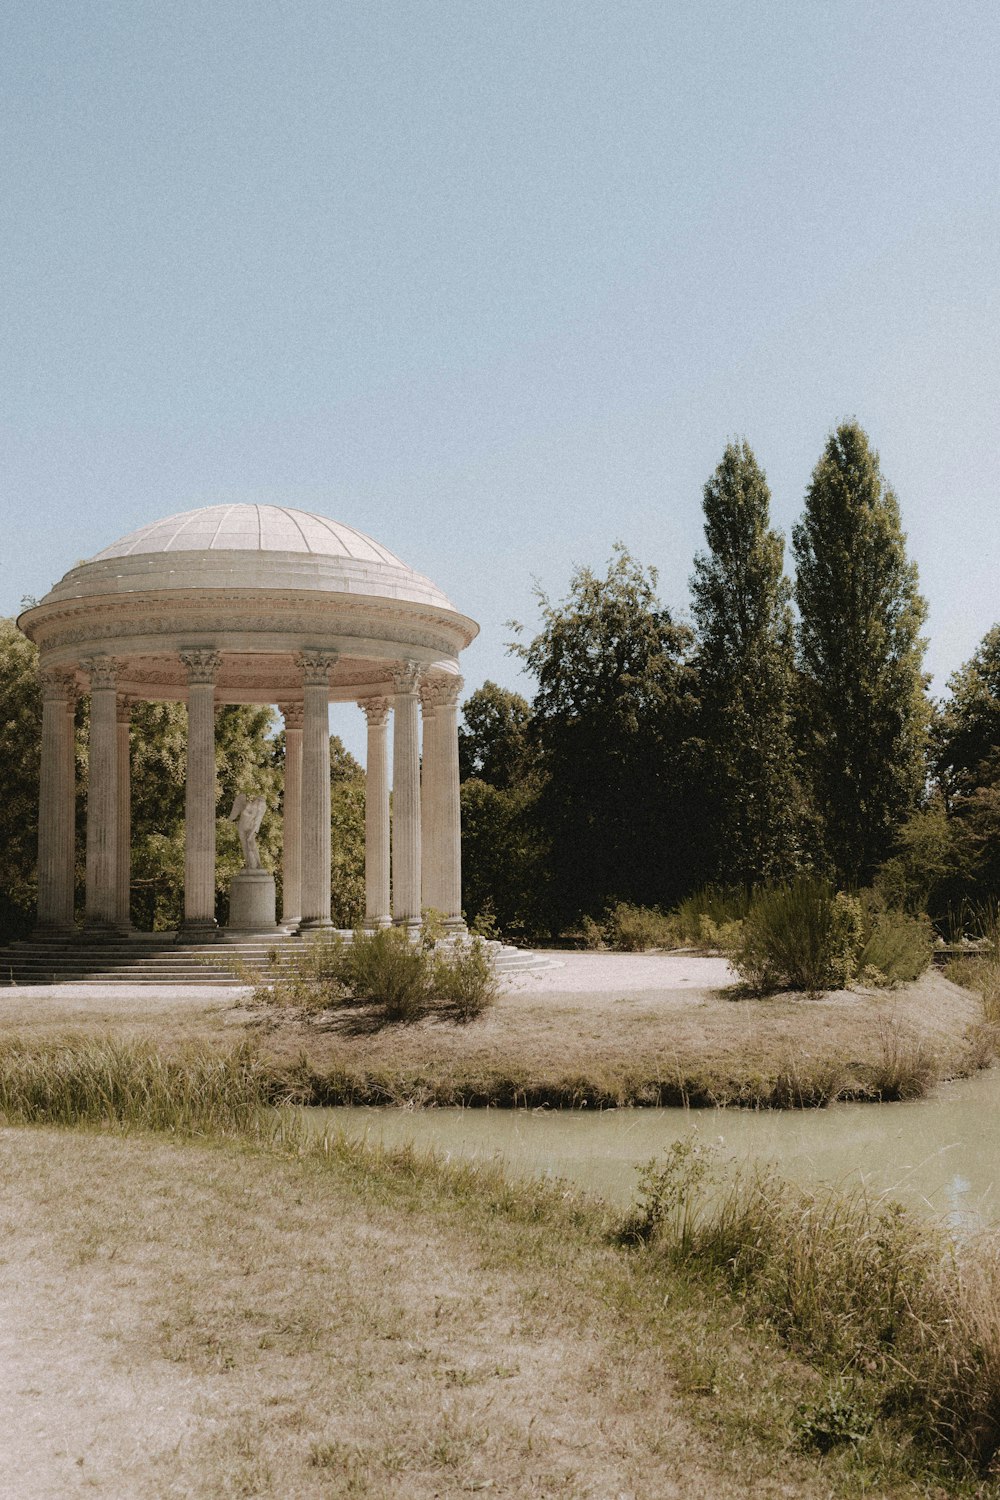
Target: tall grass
130, 1086
909, 1318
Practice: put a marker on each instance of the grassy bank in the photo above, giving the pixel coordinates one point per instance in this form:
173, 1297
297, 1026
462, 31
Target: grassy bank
564, 1047
224, 1312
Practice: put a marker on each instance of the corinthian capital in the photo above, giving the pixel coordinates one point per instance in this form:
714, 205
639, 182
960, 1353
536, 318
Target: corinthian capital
316, 667
292, 713
376, 711
441, 692
57, 683
202, 665
406, 678
102, 671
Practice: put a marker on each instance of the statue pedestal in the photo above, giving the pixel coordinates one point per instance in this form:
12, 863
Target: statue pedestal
252, 905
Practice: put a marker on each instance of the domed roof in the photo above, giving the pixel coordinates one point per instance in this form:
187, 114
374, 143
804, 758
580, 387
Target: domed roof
270, 548
251, 528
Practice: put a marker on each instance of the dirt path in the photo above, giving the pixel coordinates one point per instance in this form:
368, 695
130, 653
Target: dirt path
177, 1320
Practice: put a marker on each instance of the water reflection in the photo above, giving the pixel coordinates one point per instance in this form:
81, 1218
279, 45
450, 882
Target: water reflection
941, 1153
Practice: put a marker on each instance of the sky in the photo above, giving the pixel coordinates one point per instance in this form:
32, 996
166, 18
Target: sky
496, 283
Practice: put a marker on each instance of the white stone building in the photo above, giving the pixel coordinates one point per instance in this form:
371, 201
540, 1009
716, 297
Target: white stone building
253, 604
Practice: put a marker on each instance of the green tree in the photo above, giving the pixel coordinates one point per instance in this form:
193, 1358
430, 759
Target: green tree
611, 718
20, 740
493, 741
864, 704
347, 836
503, 852
746, 666
966, 761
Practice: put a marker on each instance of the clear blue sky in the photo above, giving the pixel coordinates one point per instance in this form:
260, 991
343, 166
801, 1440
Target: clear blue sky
495, 283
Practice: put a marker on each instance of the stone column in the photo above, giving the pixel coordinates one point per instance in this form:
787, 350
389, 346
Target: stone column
316, 667
200, 796
102, 798
406, 799
430, 799
376, 711
124, 877
56, 809
69, 832
449, 845
291, 832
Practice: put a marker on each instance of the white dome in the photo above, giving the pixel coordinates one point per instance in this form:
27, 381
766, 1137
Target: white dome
251, 528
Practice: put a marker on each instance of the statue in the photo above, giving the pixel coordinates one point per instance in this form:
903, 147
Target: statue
248, 814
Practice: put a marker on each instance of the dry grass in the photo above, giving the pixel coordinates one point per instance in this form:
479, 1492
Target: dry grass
182, 1318
564, 1048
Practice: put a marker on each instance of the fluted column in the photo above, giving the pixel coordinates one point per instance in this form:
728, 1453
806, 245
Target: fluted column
291, 833
449, 806
124, 878
406, 799
430, 811
69, 831
102, 797
316, 667
377, 907
56, 811
200, 794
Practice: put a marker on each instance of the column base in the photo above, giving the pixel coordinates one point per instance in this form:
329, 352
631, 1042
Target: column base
197, 930
377, 924
412, 926
315, 924
50, 931
455, 927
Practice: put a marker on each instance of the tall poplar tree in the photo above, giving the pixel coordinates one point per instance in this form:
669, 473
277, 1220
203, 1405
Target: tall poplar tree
745, 661
864, 701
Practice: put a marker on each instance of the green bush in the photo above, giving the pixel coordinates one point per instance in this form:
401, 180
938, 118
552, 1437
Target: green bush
799, 936
805, 936
634, 929
710, 918
385, 968
464, 980
895, 948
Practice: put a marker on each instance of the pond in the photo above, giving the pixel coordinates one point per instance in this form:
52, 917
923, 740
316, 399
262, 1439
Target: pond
941, 1153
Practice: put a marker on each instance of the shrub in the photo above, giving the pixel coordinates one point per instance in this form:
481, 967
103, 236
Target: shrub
385, 968
464, 980
799, 936
894, 948
710, 917
634, 929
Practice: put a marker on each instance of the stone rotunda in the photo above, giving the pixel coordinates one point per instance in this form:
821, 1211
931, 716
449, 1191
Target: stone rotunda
253, 604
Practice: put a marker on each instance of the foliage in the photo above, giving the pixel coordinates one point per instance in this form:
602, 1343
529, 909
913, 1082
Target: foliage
347, 836
745, 664
385, 969
799, 936
966, 762
635, 929
493, 741
504, 868
864, 709
465, 980
806, 936
927, 862
611, 719
710, 917
20, 740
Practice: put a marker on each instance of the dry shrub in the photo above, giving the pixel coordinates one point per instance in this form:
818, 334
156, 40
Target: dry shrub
635, 929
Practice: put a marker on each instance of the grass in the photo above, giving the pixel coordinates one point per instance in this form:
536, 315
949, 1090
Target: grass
557, 1048
905, 1319
283, 1316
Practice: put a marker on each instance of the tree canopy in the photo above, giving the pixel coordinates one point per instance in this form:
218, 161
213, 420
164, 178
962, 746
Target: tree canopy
745, 667
863, 699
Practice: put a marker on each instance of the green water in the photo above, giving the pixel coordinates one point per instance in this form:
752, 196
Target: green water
942, 1153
